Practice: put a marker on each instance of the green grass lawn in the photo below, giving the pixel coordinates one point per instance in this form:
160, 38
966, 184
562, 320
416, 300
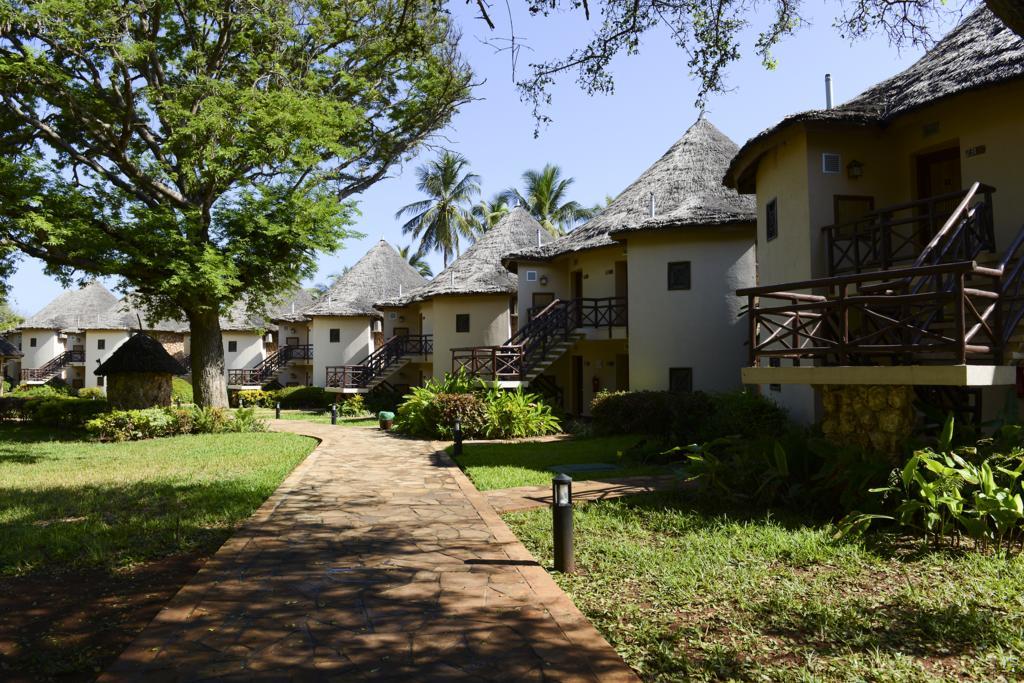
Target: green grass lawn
321, 417
685, 593
507, 465
70, 503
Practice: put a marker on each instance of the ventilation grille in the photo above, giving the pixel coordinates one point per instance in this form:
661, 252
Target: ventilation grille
831, 164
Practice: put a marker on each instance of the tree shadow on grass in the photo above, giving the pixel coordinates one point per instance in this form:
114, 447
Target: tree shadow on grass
111, 526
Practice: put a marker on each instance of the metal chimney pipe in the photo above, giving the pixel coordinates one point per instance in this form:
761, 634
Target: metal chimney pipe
652, 205
828, 91
538, 237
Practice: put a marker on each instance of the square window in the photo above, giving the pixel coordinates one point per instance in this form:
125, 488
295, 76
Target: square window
462, 322
680, 380
32, 342
334, 335
101, 344
531, 276
232, 347
679, 275
771, 219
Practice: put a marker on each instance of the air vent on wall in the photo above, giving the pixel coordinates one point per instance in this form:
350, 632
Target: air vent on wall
831, 164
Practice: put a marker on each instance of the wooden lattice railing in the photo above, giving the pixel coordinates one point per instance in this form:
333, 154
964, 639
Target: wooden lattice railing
53, 367
376, 365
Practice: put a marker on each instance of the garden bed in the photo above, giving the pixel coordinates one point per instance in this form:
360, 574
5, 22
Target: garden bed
98, 529
318, 416
685, 592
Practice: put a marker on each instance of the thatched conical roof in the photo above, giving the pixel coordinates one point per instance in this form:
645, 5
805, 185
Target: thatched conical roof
291, 307
125, 315
141, 353
978, 53
382, 273
72, 308
686, 186
479, 269
9, 350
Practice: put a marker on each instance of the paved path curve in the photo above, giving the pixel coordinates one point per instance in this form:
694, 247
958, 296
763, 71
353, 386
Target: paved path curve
376, 559
524, 498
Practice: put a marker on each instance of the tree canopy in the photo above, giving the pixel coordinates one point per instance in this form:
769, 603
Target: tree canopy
204, 150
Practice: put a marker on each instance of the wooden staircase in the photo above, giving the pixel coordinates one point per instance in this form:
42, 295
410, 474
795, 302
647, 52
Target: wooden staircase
373, 371
52, 368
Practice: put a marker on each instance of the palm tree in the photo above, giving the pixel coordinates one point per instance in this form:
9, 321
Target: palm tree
488, 213
546, 198
416, 260
441, 219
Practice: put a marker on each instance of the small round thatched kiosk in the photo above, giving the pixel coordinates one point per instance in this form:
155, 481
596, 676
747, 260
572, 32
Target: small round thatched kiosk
139, 374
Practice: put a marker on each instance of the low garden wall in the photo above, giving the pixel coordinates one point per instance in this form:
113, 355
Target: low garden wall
881, 418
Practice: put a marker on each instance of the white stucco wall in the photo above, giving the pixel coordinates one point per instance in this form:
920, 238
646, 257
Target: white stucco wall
488, 325
698, 328
354, 343
94, 356
248, 351
48, 346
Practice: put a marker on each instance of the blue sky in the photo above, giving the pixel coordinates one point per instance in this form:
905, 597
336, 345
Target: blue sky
604, 142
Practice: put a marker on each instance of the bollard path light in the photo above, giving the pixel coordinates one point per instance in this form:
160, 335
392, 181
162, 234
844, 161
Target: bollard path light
457, 447
277, 410
334, 413
561, 511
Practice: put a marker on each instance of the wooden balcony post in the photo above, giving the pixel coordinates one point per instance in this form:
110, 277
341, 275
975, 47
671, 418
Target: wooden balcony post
844, 327
961, 320
752, 330
494, 363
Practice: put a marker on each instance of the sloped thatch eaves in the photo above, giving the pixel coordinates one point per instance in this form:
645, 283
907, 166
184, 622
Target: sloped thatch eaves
290, 309
72, 308
140, 354
687, 189
382, 273
479, 269
9, 350
125, 315
978, 53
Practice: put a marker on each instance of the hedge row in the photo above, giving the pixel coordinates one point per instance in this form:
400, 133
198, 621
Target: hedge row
694, 417
51, 411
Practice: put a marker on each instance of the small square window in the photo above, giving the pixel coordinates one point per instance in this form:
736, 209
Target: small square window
531, 276
679, 275
334, 335
101, 344
99, 380
232, 347
680, 380
32, 342
462, 322
771, 219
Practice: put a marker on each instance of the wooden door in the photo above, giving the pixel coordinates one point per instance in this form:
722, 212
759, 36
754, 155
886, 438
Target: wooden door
938, 173
539, 302
621, 372
577, 284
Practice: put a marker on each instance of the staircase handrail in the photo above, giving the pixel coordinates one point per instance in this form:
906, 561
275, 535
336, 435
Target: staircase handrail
1011, 286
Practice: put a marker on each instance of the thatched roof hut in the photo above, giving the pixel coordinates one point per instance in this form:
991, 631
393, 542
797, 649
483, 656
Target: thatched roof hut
681, 189
139, 374
72, 308
382, 273
479, 269
978, 53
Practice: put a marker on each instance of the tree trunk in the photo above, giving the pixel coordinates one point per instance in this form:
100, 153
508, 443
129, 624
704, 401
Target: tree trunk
1011, 12
209, 385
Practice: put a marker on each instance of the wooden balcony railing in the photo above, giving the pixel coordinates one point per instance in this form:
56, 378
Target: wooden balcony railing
899, 234
53, 367
376, 365
492, 363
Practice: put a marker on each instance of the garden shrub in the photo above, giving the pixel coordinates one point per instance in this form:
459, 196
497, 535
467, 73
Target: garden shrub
256, 397
310, 398
63, 412
632, 412
39, 391
354, 406
430, 411
382, 398
91, 392
132, 425
181, 391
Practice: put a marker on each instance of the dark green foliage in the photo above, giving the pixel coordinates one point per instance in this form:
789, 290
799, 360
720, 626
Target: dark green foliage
354, 406
51, 409
382, 398
309, 398
91, 392
255, 397
468, 409
691, 417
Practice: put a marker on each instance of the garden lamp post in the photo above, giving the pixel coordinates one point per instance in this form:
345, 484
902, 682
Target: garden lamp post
561, 509
277, 410
334, 413
457, 446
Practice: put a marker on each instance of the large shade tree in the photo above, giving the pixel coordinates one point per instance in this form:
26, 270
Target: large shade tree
204, 151
545, 195
444, 217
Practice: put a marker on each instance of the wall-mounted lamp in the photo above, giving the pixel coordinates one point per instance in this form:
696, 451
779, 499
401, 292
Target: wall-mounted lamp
543, 280
854, 169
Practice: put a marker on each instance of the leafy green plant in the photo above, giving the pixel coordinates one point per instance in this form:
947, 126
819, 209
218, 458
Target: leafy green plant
515, 414
245, 420
256, 397
181, 390
91, 392
354, 406
309, 398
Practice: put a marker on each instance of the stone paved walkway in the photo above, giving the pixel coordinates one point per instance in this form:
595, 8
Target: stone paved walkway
530, 497
376, 559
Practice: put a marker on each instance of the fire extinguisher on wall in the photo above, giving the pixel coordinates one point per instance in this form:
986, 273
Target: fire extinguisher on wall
596, 384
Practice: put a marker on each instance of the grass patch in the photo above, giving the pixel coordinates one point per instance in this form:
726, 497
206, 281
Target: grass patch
318, 416
68, 504
507, 465
688, 593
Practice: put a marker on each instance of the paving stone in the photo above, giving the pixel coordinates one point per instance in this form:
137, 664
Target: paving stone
375, 560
